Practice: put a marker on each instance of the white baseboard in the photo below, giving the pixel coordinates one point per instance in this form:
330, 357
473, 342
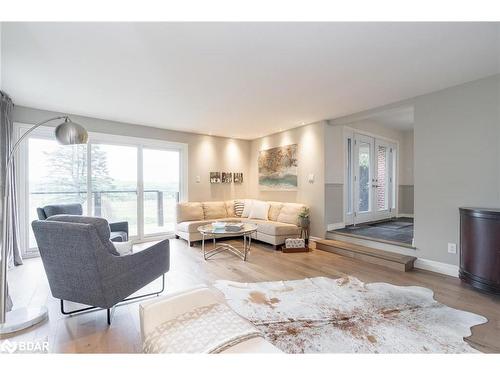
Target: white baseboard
335, 226
432, 265
405, 215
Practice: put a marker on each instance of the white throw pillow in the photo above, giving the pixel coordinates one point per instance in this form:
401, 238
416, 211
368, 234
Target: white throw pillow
123, 248
260, 210
247, 208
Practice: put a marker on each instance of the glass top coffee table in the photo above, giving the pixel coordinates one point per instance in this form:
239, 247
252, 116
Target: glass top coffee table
210, 232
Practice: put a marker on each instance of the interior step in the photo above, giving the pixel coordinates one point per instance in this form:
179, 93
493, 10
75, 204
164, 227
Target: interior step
341, 236
388, 259
372, 243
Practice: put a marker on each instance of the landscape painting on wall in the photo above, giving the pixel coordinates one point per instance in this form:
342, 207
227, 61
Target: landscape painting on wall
278, 168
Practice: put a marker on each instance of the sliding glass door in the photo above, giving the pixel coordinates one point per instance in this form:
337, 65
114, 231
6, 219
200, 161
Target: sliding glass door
118, 178
161, 189
114, 183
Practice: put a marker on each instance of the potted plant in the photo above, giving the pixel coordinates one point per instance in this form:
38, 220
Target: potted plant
304, 218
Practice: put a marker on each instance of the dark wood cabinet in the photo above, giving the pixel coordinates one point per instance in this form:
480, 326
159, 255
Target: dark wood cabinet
480, 248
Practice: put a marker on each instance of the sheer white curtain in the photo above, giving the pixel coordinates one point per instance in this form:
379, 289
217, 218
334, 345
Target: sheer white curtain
9, 182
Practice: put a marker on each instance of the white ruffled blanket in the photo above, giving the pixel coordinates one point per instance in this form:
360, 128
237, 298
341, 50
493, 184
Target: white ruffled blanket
207, 329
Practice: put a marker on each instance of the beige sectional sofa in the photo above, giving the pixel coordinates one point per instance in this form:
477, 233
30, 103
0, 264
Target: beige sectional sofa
280, 220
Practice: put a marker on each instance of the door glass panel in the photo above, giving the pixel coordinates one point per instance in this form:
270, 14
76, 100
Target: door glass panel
114, 183
382, 178
393, 177
161, 189
57, 175
364, 176
349, 176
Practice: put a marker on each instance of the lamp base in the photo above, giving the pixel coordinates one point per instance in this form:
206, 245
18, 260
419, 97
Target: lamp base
23, 318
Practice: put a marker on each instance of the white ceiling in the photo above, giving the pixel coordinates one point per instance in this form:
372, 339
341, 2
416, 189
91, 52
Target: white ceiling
237, 79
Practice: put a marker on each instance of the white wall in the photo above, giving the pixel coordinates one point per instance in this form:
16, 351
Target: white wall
457, 161
406, 158
334, 175
311, 157
334, 155
205, 153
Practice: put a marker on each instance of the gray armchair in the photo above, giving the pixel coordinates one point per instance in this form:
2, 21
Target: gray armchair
119, 230
83, 266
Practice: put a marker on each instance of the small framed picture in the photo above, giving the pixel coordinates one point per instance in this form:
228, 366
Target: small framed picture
238, 177
227, 177
215, 178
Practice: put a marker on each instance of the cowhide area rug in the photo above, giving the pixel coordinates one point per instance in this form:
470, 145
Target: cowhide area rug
323, 315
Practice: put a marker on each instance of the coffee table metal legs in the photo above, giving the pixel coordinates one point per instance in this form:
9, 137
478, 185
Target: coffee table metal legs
241, 252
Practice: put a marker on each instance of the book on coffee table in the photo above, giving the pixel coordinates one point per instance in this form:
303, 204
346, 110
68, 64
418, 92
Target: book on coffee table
234, 227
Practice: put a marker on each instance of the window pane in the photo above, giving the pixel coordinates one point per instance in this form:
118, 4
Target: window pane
364, 177
161, 189
382, 177
114, 184
57, 175
393, 176
349, 175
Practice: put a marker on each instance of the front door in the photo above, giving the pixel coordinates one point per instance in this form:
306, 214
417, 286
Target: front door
374, 178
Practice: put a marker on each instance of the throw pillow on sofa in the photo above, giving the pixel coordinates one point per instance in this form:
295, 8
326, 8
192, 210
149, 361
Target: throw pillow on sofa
274, 210
289, 213
189, 211
238, 208
230, 208
214, 210
259, 210
247, 208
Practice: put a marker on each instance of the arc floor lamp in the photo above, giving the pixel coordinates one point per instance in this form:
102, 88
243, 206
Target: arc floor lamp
66, 133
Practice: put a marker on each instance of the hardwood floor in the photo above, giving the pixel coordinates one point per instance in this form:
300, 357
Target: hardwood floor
89, 333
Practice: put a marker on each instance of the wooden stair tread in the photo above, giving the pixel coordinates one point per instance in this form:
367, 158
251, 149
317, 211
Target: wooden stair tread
381, 257
368, 250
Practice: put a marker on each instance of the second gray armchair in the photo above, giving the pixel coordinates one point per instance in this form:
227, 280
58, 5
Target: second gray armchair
119, 230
